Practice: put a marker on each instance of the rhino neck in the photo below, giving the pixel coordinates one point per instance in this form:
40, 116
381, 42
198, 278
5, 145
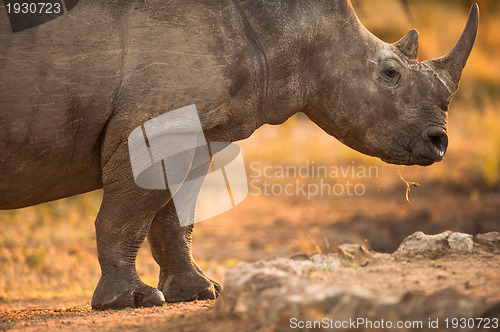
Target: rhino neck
269, 45
344, 48
280, 52
279, 37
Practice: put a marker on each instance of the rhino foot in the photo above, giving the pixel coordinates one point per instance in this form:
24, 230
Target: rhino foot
143, 296
182, 287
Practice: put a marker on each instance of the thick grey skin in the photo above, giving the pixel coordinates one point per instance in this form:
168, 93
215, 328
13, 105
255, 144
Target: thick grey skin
73, 89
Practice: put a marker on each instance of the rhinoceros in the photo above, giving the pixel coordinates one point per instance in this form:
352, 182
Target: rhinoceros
73, 88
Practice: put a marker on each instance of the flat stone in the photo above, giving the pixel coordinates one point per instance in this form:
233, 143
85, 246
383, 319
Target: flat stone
423, 242
300, 257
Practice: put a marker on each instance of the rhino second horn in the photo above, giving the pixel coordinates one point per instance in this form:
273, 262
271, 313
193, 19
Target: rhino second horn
408, 45
454, 62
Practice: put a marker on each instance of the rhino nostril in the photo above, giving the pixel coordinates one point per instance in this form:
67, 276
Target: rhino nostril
438, 139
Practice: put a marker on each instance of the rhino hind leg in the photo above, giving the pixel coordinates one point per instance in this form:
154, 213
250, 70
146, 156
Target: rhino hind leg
180, 277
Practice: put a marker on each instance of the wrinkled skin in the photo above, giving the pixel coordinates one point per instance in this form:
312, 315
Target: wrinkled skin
72, 90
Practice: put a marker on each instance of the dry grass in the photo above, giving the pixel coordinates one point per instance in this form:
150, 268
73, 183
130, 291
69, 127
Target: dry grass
49, 250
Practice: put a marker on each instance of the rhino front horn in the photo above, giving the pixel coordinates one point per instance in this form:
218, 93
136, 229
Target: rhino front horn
454, 62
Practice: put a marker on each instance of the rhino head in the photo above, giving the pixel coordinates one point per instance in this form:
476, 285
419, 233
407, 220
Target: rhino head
379, 99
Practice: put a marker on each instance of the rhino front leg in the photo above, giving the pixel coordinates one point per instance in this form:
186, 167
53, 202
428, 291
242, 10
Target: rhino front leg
180, 277
122, 224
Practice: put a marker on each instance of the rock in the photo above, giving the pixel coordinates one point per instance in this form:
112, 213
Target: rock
460, 242
491, 239
275, 294
272, 295
438, 244
419, 241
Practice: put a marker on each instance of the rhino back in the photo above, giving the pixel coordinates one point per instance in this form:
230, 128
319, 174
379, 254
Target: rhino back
80, 83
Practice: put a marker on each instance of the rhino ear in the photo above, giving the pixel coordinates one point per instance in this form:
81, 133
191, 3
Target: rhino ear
408, 45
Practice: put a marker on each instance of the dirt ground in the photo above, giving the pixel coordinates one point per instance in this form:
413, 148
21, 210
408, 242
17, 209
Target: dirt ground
475, 275
380, 222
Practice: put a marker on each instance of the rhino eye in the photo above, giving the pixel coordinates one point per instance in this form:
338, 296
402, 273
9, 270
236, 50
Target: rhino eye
389, 74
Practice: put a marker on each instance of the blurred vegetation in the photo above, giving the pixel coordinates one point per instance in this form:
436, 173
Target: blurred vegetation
49, 250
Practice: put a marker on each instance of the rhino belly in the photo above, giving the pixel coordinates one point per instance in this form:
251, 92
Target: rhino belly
32, 183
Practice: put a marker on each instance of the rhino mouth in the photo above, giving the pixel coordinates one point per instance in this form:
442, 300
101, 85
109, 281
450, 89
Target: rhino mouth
410, 159
426, 148
422, 161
